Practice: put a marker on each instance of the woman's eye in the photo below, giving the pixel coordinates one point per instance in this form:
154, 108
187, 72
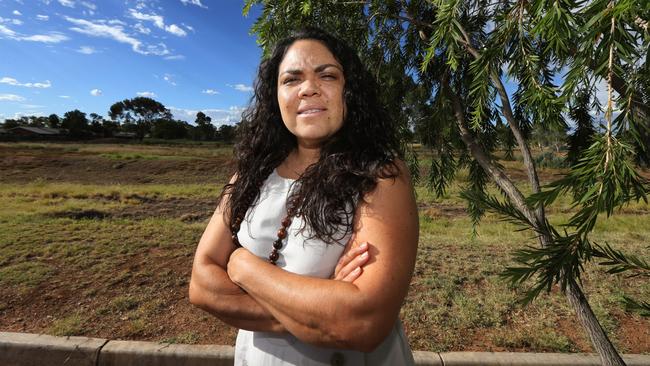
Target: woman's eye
289, 80
329, 77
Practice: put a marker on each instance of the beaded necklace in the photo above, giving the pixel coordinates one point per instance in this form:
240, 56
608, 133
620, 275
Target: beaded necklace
282, 232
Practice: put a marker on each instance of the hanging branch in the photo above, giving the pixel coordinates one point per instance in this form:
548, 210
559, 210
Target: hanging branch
497, 174
506, 109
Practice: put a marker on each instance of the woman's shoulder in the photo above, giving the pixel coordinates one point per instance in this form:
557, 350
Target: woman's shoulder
393, 171
393, 183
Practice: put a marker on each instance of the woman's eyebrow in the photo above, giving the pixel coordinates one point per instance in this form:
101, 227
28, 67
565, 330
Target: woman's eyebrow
325, 66
318, 68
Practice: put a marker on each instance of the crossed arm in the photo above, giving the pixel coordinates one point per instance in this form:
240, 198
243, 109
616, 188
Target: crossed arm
352, 311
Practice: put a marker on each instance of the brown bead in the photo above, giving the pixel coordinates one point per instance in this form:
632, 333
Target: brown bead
277, 244
274, 256
282, 233
286, 222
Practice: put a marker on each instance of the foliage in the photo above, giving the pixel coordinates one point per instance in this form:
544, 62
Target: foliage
226, 133
140, 112
204, 130
447, 60
76, 123
53, 121
169, 129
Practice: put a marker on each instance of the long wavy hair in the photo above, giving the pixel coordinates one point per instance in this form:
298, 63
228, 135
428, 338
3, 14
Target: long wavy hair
362, 151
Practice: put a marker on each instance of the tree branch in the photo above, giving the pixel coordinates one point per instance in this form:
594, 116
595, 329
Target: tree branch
506, 109
499, 177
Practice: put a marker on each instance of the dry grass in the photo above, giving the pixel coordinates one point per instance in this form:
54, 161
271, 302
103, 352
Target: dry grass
105, 255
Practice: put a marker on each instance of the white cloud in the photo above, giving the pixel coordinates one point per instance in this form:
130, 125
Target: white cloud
68, 3
194, 2
219, 117
43, 17
210, 91
11, 98
113, 22
241, 87
53, 37
12, 21
147, 94
7, 32
169, 78
175, 57
16, 13
86, 50
64, 96
89, 5
96, 92
189, 27
116, 32
14, 82
158, 21
31, 106
18, 115
176, 30
141, 28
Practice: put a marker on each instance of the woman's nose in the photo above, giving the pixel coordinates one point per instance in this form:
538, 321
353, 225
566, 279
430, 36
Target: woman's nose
309, 88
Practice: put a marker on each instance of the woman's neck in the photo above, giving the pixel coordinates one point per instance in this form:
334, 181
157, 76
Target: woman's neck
299, 160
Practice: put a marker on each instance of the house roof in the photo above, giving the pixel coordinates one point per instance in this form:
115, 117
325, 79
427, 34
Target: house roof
38, 130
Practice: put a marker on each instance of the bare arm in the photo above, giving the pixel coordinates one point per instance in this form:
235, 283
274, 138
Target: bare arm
357, 315
212, 290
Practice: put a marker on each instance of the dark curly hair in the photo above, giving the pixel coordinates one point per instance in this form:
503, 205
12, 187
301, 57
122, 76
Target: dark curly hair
362, 151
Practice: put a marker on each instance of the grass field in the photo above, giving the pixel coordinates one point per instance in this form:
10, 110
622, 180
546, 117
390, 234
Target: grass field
98, 239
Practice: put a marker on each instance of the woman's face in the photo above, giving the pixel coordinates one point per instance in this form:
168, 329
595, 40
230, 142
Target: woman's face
310, 92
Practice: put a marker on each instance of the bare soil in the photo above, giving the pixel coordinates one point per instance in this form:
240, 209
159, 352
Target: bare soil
157, 278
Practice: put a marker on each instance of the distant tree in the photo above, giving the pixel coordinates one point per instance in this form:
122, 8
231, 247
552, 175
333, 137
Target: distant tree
38, 121
205, 130
549, 136
96, 125
139, 111
76, 123
226, 133
11, 123
584, 132
170, 129
506, 139
109, 127
53, 121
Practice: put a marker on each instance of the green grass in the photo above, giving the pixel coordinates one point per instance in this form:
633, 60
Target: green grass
75, 235
71, 325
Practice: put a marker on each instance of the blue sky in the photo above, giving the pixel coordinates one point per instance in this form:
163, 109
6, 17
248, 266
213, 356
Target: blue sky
190, 55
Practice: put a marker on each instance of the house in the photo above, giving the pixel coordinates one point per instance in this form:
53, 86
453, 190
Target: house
35, 132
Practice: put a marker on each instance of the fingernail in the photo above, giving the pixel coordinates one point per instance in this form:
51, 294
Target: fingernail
363, 245
364, 255
357, 270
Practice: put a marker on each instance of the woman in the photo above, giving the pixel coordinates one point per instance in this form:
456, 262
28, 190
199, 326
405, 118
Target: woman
312, 246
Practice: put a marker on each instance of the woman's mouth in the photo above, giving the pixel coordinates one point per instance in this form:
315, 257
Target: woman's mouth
310, 111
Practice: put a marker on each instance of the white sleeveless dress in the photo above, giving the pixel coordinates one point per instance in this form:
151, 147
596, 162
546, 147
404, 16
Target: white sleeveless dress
309, 257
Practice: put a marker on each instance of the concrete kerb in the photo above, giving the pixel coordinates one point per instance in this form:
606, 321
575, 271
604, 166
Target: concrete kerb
24, 349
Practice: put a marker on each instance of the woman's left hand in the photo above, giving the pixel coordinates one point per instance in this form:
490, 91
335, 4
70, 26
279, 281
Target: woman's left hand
350, 265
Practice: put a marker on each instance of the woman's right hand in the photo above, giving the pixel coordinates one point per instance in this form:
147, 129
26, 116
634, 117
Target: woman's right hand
350, 265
